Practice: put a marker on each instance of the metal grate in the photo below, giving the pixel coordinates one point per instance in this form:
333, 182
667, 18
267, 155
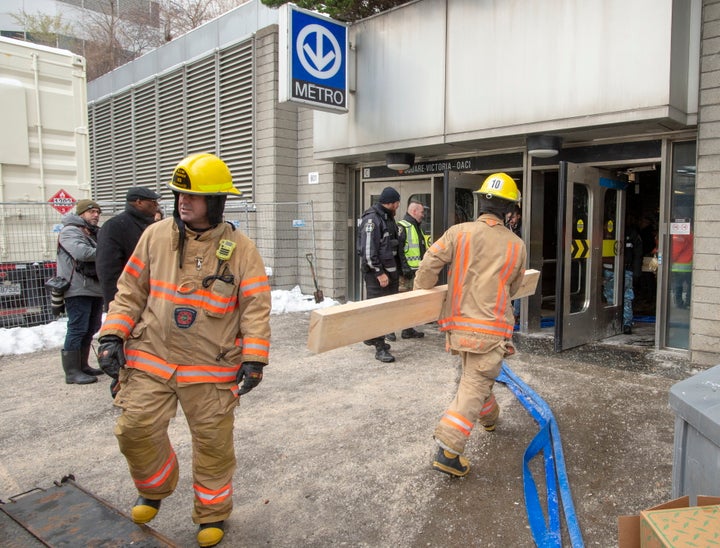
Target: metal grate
139, 135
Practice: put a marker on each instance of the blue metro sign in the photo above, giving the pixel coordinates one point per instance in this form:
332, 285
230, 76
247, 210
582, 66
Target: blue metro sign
315, 71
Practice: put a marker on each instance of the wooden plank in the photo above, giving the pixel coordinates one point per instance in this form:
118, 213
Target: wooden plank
350, 323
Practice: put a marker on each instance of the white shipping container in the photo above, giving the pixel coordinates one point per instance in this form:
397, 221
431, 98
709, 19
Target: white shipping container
44, 167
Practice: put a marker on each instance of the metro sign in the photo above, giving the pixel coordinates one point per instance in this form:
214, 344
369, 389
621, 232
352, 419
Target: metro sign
313, 61
62, 201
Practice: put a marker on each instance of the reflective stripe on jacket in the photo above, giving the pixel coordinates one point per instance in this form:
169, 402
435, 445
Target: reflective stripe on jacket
412, 250
487, 263
173, 323
378, 241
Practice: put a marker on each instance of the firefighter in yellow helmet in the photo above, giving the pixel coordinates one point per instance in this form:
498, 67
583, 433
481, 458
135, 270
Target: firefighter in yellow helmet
487, 264
189, 324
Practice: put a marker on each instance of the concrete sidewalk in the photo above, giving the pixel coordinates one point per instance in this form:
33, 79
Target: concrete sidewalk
335, 449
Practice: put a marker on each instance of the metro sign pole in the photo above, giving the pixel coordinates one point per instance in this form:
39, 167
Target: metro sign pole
313, 60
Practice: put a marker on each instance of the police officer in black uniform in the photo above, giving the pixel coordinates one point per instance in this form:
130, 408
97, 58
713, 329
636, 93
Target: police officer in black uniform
378, 247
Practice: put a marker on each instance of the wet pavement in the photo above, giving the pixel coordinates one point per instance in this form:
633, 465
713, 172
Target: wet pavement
335, 448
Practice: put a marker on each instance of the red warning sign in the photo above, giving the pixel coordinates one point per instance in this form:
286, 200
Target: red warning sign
62, 201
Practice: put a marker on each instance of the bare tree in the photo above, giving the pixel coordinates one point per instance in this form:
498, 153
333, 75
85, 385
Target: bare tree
181, 16
43, 28
115, 32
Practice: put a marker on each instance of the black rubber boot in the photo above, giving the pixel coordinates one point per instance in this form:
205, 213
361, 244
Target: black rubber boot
85, 362
382, 354
412, 333
371, 342
71, 366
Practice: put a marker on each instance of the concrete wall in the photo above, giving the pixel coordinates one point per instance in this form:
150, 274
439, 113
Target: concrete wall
284, 160
487, 69
705, 322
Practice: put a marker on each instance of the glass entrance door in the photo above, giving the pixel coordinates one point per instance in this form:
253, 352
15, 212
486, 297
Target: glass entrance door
589, 273
680, 245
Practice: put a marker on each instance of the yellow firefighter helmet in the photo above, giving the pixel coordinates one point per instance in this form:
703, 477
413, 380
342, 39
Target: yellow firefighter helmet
203, 174
500, 185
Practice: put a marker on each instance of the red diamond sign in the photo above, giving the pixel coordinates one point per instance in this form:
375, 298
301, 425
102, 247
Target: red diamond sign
62, 201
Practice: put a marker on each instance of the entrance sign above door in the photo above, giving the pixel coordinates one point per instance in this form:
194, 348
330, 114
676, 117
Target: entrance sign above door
313, 60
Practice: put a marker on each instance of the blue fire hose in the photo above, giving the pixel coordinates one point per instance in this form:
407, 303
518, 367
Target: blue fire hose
545, 532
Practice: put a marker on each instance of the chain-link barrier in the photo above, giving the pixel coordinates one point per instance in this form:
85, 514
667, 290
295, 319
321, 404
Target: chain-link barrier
284, 234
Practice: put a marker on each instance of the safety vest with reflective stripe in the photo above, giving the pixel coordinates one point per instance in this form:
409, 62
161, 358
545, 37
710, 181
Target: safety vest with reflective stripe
412, 244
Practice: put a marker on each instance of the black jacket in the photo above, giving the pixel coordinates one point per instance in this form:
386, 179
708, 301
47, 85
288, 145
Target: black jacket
378, 242
117, 239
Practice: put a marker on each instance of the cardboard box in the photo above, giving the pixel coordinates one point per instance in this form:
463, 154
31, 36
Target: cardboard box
631, 528
693, 526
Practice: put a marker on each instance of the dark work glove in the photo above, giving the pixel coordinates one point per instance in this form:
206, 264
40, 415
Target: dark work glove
250, 374
111, 356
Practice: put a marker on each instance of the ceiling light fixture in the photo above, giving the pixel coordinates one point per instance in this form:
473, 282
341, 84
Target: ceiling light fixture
543, 146
399, 161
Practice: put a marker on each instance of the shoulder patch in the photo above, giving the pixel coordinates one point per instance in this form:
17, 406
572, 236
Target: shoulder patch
369, 226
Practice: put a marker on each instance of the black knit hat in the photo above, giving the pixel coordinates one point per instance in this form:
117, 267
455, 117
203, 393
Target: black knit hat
389, 195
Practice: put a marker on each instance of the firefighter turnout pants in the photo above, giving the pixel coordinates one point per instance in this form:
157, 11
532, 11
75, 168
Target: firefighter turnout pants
474, 390
148, 403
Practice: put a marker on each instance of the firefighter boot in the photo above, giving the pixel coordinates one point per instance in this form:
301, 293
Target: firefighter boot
489, 413
371, 342
71, 366
85, 362
412, 333
145, 510
210, 534
451, 463
382, 353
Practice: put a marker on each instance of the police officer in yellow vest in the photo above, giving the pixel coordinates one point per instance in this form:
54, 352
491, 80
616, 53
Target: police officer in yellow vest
414, 242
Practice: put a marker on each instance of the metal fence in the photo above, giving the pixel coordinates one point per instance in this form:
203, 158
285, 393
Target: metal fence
283, 232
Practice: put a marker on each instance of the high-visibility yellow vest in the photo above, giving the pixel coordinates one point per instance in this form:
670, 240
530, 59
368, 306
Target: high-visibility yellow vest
412, 244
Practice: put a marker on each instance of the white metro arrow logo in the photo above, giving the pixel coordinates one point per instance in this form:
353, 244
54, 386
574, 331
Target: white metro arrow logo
311, 53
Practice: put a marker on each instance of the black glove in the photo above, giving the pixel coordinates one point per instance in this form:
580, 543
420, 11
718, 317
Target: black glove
252, 373
111, 356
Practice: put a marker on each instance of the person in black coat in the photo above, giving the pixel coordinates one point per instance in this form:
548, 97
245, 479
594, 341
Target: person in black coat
119, 236
377, 246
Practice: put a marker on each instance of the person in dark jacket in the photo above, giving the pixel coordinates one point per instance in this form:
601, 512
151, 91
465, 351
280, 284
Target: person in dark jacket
378, 249
119, 236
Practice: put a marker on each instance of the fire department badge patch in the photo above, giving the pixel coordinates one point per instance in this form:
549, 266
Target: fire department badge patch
185, 317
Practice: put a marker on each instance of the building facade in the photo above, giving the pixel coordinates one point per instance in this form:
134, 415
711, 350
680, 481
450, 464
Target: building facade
604, 113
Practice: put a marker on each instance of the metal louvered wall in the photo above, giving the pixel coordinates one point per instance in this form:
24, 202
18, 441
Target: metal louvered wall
138, 135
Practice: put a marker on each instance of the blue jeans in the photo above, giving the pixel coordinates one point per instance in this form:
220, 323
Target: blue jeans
84, 320
628, 296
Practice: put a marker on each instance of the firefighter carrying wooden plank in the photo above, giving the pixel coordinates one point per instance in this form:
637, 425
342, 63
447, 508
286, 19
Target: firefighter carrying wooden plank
487, 264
